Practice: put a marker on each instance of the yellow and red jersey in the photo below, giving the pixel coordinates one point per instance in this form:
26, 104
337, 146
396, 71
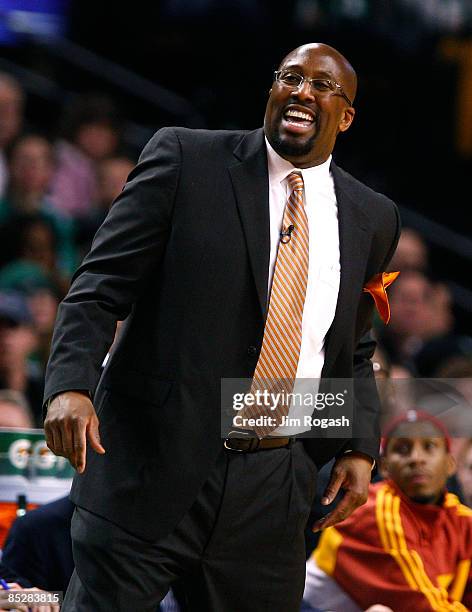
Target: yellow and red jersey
402, 554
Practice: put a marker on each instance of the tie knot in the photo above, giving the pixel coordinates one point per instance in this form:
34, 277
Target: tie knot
295, 181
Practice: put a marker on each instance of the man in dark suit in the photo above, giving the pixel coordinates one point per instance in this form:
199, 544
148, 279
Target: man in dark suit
187, 256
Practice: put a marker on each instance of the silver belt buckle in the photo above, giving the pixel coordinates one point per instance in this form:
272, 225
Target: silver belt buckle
241, 434
231, 448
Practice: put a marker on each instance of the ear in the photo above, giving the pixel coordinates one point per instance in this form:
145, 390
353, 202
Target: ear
451, 465
383, 468
347, 119
270, 91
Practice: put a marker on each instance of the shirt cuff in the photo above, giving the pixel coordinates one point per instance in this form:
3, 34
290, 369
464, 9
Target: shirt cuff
372, 467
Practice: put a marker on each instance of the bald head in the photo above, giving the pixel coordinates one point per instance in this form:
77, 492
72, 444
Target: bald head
319, 82
344, 72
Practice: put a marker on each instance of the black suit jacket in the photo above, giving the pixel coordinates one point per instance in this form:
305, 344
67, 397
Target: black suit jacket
184, 256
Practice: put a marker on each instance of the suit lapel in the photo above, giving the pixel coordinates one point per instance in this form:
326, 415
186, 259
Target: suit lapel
353, 237
250, 181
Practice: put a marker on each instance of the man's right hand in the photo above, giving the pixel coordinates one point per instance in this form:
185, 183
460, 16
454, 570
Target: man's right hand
71, 419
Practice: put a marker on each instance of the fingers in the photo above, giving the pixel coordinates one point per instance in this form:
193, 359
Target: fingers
350, 474
79, 445
53, 438
334, 485
5, 604
319, 524
58, 434
68, 440
352, 500
94, 436
58, 440
15, 590
338, 514
336, 480
56, 444
67, 448
70, 420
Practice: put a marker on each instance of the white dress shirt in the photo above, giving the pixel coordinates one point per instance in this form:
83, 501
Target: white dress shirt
323, 266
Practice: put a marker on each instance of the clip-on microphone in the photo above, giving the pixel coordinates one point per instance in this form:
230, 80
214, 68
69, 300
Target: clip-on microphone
287, 235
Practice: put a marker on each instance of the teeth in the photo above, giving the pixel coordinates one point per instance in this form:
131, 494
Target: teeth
298, 115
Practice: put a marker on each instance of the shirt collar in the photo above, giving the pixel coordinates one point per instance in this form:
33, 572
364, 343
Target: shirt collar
422, 509
280, 168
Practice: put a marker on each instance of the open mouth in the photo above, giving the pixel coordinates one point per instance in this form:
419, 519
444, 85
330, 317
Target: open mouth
299, 121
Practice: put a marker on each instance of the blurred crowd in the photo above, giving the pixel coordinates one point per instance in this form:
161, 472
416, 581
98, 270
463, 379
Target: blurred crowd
54, 194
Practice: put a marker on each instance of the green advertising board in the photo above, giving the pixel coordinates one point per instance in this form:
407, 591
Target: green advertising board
28, 467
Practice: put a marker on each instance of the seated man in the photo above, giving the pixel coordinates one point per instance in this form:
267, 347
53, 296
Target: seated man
410, 546
39, 547
38, 551
10, 580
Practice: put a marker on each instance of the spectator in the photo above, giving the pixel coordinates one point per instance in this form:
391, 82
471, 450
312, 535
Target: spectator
10, 576
14, 410
457, 369
410, 546
458, 366
24, 277
91, 133
31, 170
19, 582
5, 605
35, 266
410, 310
381, 364
11, 120
43, 305
14, 582
38, 546
438, 353
442, 319
17, 341
411, 253
15, 414
42, 300
393, 384
421, 310
37, 244
112, 175
464, 471
39, 549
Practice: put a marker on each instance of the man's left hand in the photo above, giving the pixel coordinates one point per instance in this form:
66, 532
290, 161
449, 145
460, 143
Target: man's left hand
352, 473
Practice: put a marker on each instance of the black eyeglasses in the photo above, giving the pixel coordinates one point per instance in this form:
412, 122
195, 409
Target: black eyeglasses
322, 87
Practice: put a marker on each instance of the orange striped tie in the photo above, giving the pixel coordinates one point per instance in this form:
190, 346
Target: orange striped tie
277, 366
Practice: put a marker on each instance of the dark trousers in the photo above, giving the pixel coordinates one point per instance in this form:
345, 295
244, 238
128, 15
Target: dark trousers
240, 547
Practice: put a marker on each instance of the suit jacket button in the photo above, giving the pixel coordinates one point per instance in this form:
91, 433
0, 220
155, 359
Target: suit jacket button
252, 351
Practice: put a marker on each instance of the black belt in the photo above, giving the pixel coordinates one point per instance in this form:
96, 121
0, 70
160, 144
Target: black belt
251, 444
